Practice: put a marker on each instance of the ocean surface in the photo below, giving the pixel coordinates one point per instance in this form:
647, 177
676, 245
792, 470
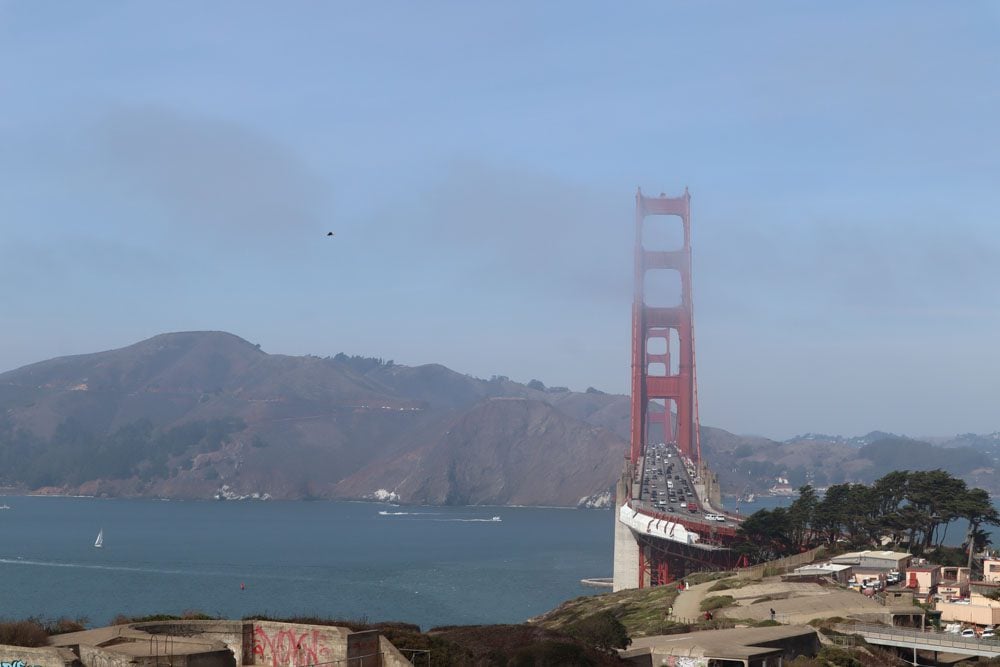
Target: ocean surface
430, 566
360, 561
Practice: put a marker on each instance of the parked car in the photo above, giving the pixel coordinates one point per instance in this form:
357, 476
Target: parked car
969, 632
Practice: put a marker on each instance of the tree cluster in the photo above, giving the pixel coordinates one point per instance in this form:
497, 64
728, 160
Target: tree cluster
362, 364
912, 508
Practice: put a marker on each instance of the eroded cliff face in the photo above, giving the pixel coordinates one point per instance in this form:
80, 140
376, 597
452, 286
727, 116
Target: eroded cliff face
502, 451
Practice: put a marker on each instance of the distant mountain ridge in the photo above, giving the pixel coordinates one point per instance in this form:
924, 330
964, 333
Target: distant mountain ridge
204, 414
184, 414
854, 441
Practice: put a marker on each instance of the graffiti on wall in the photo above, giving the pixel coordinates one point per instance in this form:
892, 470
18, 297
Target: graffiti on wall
684, 661
287, 647
16, 663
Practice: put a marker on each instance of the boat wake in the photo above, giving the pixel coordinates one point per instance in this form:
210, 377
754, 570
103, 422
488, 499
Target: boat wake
495, 519
89, 566
150, 570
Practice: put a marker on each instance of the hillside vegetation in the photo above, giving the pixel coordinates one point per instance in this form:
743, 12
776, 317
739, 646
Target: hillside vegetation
203, 414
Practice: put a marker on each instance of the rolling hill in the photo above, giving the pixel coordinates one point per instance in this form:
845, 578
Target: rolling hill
205, 414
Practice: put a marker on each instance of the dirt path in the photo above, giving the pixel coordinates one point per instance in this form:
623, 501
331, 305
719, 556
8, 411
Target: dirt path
688, 603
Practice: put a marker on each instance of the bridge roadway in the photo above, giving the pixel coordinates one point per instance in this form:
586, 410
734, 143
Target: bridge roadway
665, 490
943, 642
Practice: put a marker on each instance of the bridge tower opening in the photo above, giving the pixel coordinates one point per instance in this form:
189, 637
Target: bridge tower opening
664, 387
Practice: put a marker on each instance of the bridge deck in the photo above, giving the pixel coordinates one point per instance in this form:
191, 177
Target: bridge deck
923, 641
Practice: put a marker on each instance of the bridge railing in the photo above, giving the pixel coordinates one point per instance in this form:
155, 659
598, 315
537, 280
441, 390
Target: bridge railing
706, 531
920, 638
781, 565
703, 624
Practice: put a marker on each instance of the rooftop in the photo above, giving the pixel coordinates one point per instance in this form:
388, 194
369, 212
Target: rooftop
738, 643
826, 567
869, 553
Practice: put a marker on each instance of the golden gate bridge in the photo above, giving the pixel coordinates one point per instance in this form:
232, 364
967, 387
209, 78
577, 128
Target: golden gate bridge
668, 517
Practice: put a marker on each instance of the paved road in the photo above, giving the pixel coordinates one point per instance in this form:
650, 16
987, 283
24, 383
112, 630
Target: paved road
662, 464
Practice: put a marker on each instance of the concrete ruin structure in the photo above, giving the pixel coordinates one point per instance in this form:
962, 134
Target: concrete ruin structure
213, 643
749, 647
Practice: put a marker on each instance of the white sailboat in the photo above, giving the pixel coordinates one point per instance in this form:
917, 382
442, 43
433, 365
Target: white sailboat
99, 542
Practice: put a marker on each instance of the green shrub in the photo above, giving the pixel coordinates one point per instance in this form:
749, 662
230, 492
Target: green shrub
838, 657
803, 661
717, 602
601, 630
550, 654
702, 577
723, 585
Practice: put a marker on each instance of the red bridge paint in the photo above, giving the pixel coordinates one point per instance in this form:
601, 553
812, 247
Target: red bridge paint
664, 382
675, 389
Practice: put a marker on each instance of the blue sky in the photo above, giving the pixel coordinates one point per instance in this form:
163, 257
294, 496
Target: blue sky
175, 166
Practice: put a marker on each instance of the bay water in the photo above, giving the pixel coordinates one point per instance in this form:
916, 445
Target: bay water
358, 561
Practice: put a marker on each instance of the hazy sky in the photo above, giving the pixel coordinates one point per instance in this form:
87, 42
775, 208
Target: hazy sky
175, 166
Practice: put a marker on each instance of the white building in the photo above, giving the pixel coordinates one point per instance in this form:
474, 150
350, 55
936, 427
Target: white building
874, 560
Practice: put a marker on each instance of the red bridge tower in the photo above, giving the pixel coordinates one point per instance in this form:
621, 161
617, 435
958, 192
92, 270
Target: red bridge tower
663, 370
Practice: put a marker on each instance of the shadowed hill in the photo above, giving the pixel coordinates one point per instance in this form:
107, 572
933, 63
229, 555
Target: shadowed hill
184, 414
504, 451
195, 414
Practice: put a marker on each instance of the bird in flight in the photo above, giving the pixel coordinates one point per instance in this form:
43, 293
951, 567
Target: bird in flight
330, 234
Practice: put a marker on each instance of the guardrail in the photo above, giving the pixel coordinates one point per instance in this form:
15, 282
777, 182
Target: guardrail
918, 639
703, 528
702, 623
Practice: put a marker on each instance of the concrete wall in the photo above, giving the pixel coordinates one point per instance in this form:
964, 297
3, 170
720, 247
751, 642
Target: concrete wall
21, 656
991, 570
295, 645
626, 563
93, 656
980, 610
230, 633
957, 575
805, 644
391, 657
952, 590
923, 581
